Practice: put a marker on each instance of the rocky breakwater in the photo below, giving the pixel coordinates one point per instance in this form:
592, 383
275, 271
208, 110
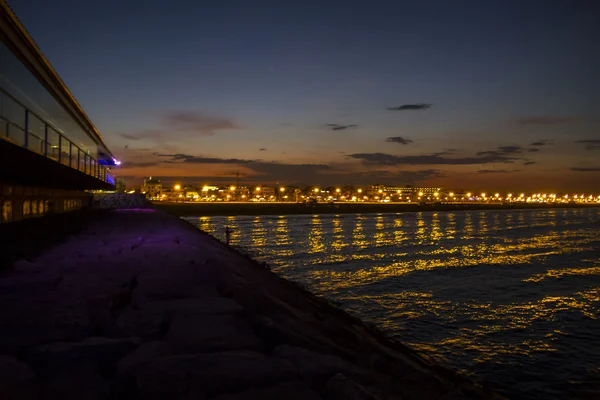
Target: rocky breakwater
141, 305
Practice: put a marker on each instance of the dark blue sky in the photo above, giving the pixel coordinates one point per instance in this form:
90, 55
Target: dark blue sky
215, 82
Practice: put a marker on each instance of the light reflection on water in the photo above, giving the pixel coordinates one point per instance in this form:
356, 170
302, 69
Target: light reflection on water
510, 297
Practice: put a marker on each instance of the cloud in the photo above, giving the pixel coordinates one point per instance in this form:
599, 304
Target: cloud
545, 120
197, 122
142, 164
410, 107
429, 159
526, 163
502, 151
337, 127
533, 150
493, 171
544, 142
186, 158
399, 139
591, 144
262, 149
583, 169
177, 124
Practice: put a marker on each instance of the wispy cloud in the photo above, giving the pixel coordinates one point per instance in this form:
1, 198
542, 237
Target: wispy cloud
430, 159
546, 120
526, 163
197, 122
584, 169
411, 107
502, 151
591, 144
140, 164
174, 125
399, 139
337, 127
262, 149
533, 150
544, 142
493, 171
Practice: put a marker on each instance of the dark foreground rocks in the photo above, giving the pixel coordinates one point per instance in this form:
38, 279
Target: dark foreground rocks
141, 305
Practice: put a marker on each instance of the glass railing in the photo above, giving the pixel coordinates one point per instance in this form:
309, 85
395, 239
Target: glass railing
23, 127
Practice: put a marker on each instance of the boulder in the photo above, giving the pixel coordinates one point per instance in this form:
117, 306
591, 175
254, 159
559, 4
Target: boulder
96, 352
342, 388
196, 333
208, 374
287, 391
319, 368
141, 356
17, 379
79, 384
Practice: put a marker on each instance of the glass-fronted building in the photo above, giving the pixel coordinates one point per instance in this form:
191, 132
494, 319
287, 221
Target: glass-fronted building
48, 145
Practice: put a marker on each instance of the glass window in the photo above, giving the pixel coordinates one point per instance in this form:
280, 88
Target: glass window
34, 208
41, 207
7, 211
26, 208
16, 79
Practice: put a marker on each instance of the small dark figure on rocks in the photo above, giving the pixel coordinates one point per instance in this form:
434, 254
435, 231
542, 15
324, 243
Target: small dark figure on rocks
227, 234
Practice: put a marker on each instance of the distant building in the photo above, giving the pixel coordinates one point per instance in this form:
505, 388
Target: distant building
405, 193
152, 188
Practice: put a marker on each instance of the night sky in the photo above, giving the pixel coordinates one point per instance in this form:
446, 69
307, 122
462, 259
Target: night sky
463, 94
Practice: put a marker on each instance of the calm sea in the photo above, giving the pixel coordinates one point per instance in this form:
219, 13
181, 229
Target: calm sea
511, 298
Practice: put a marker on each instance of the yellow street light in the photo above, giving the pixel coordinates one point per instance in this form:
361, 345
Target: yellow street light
509, 195
316, 190
420, 194
483, 195
177, 187
380, 191
451, 194
468, 194
359, 190
232, 188
436, 194
257, 189
497, 195
282, 189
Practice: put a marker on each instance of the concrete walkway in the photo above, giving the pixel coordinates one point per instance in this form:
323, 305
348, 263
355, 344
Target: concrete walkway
141, 305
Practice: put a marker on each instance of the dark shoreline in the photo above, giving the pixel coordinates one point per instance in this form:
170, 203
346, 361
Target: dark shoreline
233, 209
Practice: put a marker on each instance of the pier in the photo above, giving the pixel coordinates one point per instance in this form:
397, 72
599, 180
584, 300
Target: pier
141, 305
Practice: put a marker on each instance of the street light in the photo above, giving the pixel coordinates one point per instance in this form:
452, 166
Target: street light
177, 187
316, 190
337, 190
257, 189
282, 190
359, 190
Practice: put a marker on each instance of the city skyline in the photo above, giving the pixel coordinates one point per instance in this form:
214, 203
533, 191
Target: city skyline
499, 95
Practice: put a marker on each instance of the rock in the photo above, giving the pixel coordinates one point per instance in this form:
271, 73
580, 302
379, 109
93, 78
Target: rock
207, 374
183, 283
342, 388
146, 323
16, 379
318, 368
144, 354
80, 384
18, 337
97, 352
287, 391
422, 386
197, 333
